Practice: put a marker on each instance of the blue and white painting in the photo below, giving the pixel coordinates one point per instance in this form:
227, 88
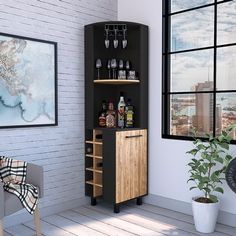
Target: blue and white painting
27, 82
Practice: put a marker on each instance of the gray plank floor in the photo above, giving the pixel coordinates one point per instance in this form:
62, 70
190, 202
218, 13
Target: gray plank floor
132, 220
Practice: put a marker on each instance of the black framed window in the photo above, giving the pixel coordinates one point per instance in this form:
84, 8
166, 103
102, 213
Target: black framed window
199, 67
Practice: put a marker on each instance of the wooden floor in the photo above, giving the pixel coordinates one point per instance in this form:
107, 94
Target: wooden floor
132, 220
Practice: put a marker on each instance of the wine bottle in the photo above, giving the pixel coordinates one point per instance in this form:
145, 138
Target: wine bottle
129, 114
121, 112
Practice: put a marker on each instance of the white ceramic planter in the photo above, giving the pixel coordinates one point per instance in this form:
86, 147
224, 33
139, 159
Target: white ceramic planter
205, 215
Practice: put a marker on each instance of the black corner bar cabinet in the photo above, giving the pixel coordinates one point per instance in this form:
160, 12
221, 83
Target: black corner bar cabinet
116, 166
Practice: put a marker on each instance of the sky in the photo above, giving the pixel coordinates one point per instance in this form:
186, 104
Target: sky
178, 5
195, 29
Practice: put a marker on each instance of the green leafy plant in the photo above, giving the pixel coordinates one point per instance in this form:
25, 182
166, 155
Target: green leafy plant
209, 162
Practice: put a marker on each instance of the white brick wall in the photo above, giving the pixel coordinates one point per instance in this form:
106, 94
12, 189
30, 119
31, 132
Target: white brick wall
59, 149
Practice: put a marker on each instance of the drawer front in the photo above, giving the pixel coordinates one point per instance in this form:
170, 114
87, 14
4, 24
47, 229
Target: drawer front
131, 164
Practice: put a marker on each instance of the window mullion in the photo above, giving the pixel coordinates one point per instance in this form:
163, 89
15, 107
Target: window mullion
166, 77
215, 68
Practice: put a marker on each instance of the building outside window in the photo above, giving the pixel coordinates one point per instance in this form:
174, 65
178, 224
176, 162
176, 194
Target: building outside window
199, 67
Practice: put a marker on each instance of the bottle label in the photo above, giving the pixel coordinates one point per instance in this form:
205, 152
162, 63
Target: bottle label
102, 121
121, 111
129, 119
110, 121
129, 116
121, 117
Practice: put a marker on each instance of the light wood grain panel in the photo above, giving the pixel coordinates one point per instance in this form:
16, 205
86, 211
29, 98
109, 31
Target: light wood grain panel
131, 164
97, 191
123, 171
97, 151
143, 168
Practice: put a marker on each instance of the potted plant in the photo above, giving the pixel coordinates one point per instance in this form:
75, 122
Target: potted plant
209, 162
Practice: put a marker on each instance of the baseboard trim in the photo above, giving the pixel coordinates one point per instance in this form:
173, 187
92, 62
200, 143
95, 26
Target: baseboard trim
224, 217
23, 216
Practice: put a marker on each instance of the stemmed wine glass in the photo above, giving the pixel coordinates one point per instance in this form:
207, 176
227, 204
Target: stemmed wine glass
109, 68
114, 66
121, 64
115, 41
107, 42
98, 66
124, 41
127, 65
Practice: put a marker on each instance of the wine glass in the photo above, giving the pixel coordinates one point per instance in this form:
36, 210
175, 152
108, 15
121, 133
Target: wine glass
127, 65
109, 68
98, 66
107, 42
114, 66
115, 41
124, 41
121, 64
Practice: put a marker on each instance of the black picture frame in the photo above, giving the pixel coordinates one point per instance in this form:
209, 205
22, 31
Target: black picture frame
23, 88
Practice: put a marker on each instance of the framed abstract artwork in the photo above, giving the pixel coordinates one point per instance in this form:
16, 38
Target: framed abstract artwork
28, 82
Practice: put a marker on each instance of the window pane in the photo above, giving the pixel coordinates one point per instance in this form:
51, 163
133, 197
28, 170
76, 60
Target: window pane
226, 20
225, 111
192, 71
178, 5
192, 29
226, 68
191, 111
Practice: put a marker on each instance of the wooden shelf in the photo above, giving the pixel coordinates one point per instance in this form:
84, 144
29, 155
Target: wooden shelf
94, 142
115, 81
93, 156
98, 169
92, 183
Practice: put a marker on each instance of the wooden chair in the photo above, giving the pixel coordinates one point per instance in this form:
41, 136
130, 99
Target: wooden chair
10, 204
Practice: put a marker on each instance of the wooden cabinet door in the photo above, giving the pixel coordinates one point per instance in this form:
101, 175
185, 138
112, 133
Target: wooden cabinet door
131, 164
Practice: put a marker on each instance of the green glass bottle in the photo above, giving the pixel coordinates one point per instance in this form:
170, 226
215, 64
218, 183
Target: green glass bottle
129, 114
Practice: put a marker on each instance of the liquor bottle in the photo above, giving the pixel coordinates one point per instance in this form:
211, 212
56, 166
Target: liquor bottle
129, 114
121, 112
102, 115
111, 116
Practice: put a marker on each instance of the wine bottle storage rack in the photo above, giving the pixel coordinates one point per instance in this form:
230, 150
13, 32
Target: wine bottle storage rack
93, 162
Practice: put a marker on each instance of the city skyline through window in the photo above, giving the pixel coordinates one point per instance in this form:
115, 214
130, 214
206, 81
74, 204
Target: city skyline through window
199, 67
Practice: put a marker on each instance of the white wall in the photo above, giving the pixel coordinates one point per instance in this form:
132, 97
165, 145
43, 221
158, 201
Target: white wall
167, 163
59, 149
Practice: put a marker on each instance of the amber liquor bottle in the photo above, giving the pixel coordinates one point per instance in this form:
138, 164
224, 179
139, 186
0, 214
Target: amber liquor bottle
111, 116
102, 115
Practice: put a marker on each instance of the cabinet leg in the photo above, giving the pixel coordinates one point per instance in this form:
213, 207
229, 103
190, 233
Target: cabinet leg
93, 201
139, 201
116, 208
